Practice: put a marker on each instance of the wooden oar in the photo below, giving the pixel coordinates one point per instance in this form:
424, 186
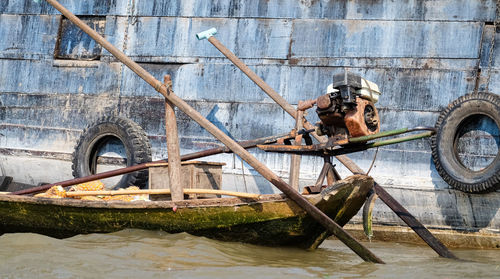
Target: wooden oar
161, 192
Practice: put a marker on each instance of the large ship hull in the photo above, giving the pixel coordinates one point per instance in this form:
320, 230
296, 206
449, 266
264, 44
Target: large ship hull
423, 55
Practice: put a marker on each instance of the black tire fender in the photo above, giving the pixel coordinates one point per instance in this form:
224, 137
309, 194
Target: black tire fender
131, 135
445, 143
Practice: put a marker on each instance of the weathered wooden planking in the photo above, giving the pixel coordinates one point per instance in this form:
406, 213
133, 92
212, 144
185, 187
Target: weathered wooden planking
494, 85
175, 36
256, 38
412, 89
38, 138
416, 81
239, 120
271, 38
28, 37
489, 63
363, 38
95, 7
375, 62
447, 10
216, 82
486, 48
51, 77
66, 111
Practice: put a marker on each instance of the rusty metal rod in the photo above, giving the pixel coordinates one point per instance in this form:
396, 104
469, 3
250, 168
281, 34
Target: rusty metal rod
186, 157
262, 169
346, 161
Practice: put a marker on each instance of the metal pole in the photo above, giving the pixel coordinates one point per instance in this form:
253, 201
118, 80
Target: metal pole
317, 214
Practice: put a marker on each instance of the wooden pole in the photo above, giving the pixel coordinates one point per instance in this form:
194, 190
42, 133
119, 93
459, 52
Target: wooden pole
296, 158
174, 156
161, 192
413, 223
263, 170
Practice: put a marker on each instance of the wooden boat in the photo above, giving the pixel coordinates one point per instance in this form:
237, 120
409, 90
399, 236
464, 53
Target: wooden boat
272, 220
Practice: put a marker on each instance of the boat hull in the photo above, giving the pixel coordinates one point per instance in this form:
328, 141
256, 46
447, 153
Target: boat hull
274, 220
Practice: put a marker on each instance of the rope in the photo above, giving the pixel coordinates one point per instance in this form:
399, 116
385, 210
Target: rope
373, 161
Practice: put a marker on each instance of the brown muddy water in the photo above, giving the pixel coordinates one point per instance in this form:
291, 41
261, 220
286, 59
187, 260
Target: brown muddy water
144, 254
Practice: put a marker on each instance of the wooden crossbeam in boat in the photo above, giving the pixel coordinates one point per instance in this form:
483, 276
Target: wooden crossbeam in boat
161, 192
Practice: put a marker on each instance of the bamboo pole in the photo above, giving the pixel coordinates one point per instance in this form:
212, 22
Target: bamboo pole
161, 192
263, 170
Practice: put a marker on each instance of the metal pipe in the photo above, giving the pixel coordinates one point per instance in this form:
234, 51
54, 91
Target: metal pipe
363, 139
347, 150
312, 210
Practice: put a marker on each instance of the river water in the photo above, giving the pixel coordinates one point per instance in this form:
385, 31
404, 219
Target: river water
145, 254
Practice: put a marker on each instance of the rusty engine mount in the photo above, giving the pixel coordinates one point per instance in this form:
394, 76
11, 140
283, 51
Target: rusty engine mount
348, 107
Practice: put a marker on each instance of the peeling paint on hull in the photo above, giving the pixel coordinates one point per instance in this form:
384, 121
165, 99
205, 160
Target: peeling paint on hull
422, 54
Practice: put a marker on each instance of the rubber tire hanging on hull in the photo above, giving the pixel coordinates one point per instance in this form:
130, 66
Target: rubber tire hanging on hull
131, 135
445, 143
